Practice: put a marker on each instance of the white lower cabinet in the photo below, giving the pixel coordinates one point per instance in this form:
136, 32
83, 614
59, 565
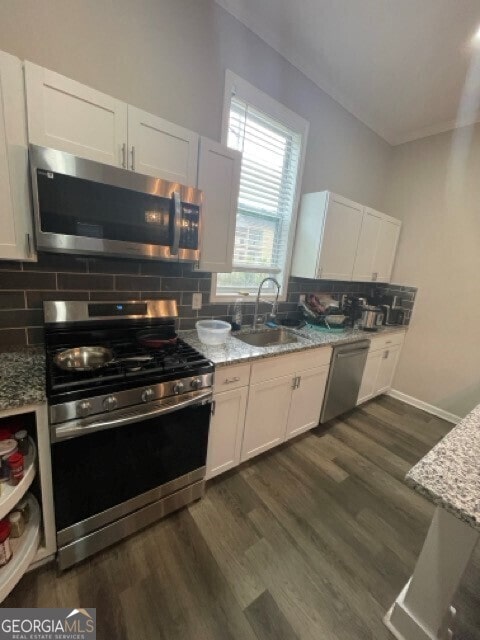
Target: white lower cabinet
226, 431
267, 415
307, 400
380, 368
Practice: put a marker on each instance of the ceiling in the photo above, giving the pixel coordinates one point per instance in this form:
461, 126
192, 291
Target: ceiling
399, 66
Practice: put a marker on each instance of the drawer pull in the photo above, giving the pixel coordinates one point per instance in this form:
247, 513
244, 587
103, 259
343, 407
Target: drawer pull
231, 380
388, 342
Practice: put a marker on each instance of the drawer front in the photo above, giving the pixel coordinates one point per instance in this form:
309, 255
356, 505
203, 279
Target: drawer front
313, 359
233, 377
290, 364
384, 342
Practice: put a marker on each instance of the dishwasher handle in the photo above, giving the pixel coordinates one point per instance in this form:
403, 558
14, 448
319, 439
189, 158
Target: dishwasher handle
350, 354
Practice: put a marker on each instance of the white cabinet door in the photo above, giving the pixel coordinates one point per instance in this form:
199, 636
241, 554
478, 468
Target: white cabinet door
386, 248
219, 179
161, 149
368, 387
388, 364
307, 400
267, 414
69, 116
340, 239
365, 260
226, 431
15, 211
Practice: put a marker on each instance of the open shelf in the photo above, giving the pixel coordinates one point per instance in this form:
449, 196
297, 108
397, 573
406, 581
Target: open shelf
24, 551
11, 495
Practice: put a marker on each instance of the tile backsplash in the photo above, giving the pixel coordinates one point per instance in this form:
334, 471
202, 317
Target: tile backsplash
24, 287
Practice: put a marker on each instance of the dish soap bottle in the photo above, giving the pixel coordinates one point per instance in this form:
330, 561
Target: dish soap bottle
237, 313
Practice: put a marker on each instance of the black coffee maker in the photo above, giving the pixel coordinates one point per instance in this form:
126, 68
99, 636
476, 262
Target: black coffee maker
352, 307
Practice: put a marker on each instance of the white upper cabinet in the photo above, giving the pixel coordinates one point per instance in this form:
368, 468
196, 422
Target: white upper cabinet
327, 237
338, 239
386, 248
219, 179
161, 149
377, 246
15, 211
66, 115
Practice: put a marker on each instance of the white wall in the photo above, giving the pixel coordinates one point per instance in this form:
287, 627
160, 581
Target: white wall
434, 187
169, 57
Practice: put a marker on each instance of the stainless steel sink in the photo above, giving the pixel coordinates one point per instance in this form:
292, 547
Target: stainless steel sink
268, 337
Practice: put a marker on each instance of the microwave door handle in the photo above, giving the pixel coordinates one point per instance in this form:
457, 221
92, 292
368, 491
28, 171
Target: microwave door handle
177, 212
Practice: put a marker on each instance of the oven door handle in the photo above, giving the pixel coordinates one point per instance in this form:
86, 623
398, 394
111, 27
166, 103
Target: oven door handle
177, 213
82, 427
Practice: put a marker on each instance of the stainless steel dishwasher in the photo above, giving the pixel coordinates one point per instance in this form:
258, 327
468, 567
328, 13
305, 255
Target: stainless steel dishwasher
344, 379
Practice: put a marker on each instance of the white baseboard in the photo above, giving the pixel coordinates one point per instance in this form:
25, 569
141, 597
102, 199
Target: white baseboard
429, 408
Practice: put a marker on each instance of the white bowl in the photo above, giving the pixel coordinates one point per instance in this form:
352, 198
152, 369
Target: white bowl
213, 331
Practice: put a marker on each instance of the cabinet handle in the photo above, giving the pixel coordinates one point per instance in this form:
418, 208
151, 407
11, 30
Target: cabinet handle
230, 380
29, 244
214, 404
294, 383
385, 355
124, 155
388, 342
298, 381
374, 276
133, 158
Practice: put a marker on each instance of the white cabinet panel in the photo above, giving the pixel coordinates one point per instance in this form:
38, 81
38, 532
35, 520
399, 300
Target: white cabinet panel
15, 210
161, 149
228, 378
267, 413
365, 262
69, 116
307, 400
388, 364
368, 388
386, 248
219, 179
226, 431
340, 238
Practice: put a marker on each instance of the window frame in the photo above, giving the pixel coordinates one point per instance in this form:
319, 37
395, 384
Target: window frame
236, 85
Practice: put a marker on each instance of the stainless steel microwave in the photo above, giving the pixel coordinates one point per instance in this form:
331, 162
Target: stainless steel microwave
86, 207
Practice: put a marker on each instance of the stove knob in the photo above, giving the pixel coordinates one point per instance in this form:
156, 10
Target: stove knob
178, 387
110, 403
147, 394
84, 408
196, 383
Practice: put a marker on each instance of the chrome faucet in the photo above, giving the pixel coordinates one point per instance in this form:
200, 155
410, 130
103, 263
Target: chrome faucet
257, 301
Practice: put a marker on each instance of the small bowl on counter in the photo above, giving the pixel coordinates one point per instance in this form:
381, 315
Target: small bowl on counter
213, 331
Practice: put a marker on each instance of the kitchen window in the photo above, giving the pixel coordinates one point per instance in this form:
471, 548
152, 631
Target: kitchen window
272, 140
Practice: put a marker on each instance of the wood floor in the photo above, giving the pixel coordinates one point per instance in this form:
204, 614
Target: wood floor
311, 541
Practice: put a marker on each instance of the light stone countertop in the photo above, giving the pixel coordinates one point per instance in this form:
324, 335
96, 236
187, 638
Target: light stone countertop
235, 351
22, 377
449, 475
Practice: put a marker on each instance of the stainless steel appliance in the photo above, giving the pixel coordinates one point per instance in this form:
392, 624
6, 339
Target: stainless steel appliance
86, 207
372, 318
344, 379
128, 438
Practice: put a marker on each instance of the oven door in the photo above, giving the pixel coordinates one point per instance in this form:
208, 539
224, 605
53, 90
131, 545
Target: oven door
129, 460
87, 207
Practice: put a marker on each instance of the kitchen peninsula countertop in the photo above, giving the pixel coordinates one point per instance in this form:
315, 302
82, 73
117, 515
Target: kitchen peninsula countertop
235, 351
22, 377
449, 475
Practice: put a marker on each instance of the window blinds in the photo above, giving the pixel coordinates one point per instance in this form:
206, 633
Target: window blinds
271, 155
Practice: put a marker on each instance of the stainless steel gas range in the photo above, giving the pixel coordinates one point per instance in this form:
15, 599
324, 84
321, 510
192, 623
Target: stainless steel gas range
128, 432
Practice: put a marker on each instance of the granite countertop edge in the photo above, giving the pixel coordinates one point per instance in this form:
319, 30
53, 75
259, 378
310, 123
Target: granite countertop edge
234, 351
448, 474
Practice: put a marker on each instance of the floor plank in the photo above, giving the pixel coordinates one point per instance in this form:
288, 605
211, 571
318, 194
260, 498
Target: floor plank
312, 540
